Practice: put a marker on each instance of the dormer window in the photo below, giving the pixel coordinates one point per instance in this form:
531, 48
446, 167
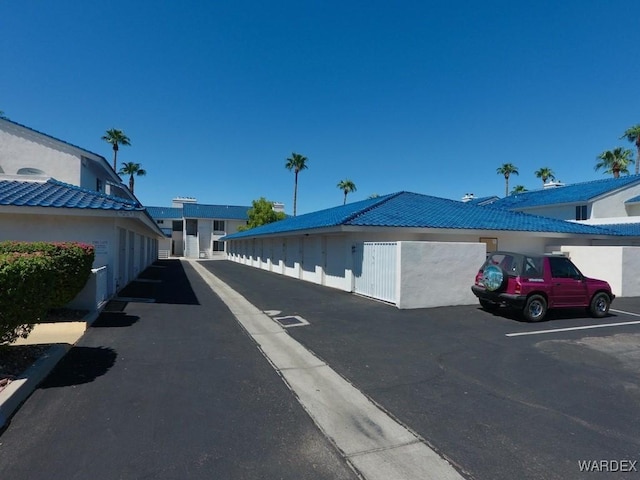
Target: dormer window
581, 212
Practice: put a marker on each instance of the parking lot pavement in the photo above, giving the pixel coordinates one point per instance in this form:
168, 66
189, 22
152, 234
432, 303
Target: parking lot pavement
166, 385
498, 406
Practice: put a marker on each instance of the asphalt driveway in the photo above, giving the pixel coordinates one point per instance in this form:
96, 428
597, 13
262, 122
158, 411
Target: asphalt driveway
167, 390
498, 397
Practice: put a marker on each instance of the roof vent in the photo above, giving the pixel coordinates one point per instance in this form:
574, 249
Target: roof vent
553, 184
468, 197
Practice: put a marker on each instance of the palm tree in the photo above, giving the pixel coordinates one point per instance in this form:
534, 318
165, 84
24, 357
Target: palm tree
615, 161
116, 137
132, 169
545, 173
518, 189
347, 186
633, 135
296, 163
507, 169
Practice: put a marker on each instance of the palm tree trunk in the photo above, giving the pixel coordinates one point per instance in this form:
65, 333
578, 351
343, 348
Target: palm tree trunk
131, 183
295, 194
345, 198
638, 156
115, 155
506, 186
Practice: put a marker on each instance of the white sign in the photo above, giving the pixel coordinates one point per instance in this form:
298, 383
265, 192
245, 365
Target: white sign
101, 247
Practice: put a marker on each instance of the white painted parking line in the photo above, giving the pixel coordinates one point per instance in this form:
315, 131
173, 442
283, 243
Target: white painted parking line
569, 329
626, 313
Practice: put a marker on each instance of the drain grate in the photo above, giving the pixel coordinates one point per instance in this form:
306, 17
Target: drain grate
291, 321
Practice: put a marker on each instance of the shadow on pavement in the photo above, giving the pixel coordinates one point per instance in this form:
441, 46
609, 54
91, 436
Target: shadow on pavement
114, 319
163, 282
81, 365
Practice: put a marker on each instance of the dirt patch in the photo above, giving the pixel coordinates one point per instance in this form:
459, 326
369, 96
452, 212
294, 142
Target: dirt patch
15, 359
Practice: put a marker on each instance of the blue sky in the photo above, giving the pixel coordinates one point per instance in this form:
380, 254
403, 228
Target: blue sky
423, 96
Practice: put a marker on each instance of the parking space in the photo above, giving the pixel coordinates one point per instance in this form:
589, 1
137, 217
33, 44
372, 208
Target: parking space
497, 405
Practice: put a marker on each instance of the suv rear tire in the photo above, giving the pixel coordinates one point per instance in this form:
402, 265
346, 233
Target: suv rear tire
535, 309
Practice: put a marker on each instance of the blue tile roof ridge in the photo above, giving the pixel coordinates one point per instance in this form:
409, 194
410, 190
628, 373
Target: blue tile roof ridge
52, 137
383, 199
53, 181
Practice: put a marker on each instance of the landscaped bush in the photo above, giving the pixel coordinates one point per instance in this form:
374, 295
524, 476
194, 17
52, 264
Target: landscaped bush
26, 282
35, 277
72, 263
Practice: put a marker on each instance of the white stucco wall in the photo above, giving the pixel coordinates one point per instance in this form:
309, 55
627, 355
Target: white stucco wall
18, 152
435, 274
613, 205
100, 231
617, 265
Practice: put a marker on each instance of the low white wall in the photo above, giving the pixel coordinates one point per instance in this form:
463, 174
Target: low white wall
95, 292
437, 274
616, 265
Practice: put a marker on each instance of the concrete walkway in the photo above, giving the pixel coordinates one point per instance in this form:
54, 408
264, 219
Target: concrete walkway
378, 446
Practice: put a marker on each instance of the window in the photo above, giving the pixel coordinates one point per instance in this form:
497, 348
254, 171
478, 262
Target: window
561, 267
192, 226
581, 212
160, 222
218, 246
177, 226
98, 185
218, 226
30, 171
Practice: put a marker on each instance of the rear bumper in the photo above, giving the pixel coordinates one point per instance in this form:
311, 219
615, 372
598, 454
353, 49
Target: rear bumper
514, 301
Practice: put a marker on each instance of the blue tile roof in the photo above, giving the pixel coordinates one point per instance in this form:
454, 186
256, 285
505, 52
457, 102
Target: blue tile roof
575, 193
624, 229
222, 212
158, 213
54, 193
412, 210
633, 200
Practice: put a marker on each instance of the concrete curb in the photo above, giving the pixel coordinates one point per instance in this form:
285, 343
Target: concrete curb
21, 388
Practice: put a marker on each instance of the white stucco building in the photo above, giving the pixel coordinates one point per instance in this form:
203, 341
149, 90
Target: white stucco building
194, 230
409, 249
51, 190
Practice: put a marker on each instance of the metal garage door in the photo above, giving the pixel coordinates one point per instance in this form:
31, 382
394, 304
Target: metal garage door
374, 269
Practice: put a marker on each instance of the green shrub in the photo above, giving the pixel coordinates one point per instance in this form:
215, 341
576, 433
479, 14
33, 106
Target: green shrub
38, 276
73, 263
26, 281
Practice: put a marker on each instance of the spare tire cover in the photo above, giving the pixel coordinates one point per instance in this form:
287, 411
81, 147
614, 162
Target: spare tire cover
492, 278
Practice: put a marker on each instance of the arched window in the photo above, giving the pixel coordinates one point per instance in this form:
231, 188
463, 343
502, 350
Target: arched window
30, 171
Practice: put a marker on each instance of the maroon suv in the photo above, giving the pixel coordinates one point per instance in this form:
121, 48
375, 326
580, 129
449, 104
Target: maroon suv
535, 283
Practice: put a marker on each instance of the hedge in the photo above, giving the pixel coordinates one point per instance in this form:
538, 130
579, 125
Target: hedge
38, 276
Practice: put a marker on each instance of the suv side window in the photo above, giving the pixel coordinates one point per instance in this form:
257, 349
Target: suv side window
561, 267
533, 267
